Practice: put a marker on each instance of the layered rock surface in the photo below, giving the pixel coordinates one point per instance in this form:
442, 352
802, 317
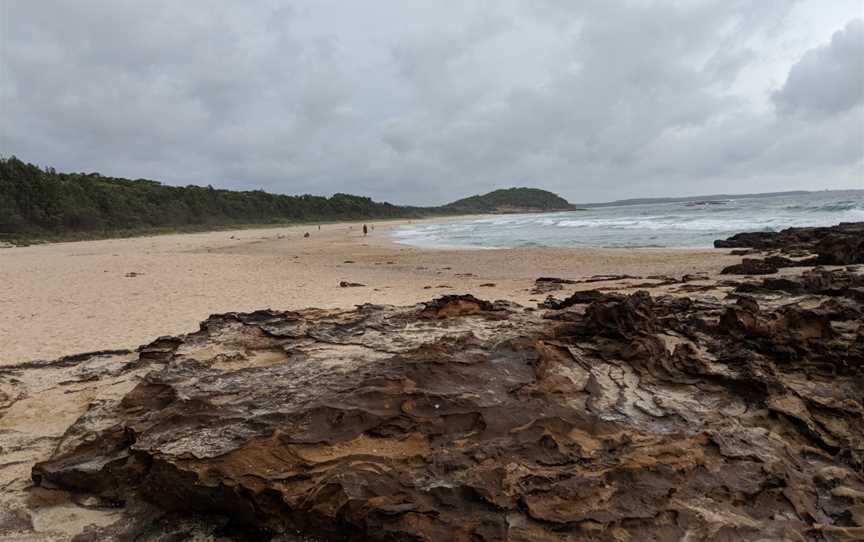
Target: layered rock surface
701, 412
842, 244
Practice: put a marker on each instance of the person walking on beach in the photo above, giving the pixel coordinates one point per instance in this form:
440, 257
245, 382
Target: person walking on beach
365, 231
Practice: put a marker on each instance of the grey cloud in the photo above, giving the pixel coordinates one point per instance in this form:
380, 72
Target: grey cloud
421, 103
828, 79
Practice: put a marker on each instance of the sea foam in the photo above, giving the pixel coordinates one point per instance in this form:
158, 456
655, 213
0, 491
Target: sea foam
647, 225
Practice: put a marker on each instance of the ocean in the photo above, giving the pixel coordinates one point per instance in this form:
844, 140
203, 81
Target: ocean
658, 225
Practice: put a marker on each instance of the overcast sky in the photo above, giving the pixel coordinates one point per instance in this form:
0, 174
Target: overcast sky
425, 101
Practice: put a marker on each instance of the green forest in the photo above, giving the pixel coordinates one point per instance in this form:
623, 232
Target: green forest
532, 199
40, 203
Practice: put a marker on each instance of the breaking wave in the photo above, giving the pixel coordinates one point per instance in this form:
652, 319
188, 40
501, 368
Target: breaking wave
649, 225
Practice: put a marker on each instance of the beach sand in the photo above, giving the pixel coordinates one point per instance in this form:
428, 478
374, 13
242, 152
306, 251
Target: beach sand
66, 298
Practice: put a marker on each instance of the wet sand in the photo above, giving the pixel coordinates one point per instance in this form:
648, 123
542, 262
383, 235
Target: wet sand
66, 298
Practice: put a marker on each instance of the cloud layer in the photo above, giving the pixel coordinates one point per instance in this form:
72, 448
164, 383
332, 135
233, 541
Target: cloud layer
828, 79
424, 102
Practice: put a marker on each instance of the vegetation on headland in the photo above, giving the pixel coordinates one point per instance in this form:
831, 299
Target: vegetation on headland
511, 200
42, 204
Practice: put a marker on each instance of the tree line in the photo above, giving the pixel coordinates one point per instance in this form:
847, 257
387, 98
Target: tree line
40, 202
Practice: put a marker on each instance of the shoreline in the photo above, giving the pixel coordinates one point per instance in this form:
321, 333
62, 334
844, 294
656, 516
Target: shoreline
59, 299
687, 348
9, 243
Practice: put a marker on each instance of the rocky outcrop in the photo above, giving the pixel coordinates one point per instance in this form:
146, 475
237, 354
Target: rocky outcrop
846, 283
842, 244
836, 245
544, 285
613, 417
751, 266
842, 249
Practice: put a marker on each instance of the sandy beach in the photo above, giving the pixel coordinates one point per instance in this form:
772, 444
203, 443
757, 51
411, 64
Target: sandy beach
66, 298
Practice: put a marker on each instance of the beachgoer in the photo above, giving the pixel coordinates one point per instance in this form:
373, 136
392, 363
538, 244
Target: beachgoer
365, 231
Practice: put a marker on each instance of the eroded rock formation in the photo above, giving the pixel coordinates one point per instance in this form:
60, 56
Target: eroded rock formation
835, 245
613, 417
752, 266
842, 244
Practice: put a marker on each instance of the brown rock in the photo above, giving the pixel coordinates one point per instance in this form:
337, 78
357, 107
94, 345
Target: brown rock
750, 266
842, 244
544, 285
459, 419
841, 248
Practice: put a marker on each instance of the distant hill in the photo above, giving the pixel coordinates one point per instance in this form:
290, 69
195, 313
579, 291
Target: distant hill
708, 198
510, 200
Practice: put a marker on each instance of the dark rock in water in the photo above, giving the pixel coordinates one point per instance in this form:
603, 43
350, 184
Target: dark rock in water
640, 418
703, 203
